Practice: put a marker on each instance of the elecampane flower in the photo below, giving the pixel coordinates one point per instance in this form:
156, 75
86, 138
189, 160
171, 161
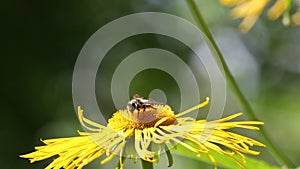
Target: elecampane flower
250, 10
144, 130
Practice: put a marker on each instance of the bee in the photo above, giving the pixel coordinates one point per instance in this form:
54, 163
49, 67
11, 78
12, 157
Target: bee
140, 104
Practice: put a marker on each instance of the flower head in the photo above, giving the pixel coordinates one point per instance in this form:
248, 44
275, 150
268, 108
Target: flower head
144, 130
250, 10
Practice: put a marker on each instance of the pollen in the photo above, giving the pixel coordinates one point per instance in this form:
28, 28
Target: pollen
124, 119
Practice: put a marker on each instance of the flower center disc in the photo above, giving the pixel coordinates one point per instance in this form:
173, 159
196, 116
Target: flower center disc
142, 118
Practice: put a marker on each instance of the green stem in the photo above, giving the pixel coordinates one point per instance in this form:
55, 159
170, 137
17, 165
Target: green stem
286, 19
236, 90
146, 164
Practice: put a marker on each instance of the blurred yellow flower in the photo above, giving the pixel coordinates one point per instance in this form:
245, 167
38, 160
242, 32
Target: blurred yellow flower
250, 10
145, 132
296, 16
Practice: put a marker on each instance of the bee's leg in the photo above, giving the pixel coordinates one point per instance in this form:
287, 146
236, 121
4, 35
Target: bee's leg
153, 107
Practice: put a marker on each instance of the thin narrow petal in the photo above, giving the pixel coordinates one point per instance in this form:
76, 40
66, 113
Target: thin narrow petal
76, 152
194, 108
86, 123
231, 2
141, 146
73, 151
248, 23
277, 9
210, 136
296, 16
249, 8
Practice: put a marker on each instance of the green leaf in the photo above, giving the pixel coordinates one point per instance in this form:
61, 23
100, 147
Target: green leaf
146, 164
223, 160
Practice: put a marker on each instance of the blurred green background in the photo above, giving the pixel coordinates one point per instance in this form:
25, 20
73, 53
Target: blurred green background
42, 39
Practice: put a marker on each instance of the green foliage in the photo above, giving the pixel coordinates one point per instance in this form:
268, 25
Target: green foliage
223, 160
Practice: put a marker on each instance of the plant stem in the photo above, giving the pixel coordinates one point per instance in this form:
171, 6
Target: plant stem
146, 164
236, 90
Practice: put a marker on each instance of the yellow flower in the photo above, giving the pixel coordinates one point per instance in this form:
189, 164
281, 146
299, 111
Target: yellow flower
250, 10
145, 131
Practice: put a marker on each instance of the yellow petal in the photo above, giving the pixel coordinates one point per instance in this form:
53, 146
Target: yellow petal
277, 9
249, 8
296, 18
231, 2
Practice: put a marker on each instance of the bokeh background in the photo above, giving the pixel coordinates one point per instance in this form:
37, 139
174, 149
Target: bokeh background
40, 41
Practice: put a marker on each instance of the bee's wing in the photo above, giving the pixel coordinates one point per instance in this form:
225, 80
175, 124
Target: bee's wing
152, 102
